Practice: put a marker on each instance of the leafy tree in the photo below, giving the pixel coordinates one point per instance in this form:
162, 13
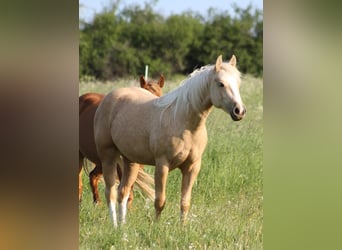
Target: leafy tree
96, 41
118, 44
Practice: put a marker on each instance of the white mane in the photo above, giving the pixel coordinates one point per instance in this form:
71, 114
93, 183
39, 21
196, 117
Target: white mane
190, 92
196, 71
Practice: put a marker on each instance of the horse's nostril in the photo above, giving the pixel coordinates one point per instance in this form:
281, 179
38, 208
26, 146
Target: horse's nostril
236, 111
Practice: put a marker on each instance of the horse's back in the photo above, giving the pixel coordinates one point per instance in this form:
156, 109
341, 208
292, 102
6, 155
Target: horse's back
131, 100
131, 95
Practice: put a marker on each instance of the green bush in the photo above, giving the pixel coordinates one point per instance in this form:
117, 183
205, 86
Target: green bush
120, 43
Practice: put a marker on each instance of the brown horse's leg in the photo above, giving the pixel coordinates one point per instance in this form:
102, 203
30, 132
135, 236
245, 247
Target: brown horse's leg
160, 178
130, 173
189, 176
94, 178
80, 165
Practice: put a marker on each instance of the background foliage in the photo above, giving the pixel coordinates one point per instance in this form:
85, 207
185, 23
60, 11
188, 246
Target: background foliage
120, 43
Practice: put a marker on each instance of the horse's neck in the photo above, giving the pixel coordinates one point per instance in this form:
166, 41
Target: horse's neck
196, 99
198, 119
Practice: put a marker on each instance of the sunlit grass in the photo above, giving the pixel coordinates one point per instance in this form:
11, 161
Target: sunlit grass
226, 210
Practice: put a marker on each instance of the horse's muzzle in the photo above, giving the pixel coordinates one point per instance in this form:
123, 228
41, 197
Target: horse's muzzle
238, 112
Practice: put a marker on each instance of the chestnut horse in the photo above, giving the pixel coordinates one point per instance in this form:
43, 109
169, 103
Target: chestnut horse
88, 104
168, 132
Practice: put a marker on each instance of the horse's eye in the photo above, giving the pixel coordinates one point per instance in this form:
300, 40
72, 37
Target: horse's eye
220, 84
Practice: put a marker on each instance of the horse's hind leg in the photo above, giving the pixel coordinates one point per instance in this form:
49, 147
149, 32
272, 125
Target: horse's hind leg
131, 195
109, 157
130, 173
130, 198
80, 165
94, 178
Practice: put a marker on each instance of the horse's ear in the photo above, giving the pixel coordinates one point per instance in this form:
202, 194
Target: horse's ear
142, 82
161, 81
232, 61
218, 63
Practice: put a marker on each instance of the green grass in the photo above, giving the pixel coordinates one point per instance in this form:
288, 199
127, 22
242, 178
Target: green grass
226, 210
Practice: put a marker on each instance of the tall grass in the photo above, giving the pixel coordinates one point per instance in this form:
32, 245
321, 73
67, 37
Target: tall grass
226, 210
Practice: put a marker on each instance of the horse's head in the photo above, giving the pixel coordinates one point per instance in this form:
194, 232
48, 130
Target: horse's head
153, 86
224, 90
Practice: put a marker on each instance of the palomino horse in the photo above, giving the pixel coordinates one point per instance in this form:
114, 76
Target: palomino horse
168, 132
88, 104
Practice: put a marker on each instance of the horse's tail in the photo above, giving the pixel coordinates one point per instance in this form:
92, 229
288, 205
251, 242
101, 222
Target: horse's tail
146, 183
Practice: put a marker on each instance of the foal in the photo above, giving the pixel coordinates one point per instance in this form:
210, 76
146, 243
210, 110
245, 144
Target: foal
88, 104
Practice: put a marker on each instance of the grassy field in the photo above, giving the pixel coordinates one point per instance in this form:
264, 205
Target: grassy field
226, 210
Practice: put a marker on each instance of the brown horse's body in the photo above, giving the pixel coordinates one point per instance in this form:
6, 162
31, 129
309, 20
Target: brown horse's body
88, 104
168, 132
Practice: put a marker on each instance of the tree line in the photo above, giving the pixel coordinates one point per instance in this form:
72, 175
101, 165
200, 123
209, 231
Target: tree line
120, 43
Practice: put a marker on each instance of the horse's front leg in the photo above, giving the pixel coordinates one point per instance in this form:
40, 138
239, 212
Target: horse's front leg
160, 179
130, 173
189, 173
